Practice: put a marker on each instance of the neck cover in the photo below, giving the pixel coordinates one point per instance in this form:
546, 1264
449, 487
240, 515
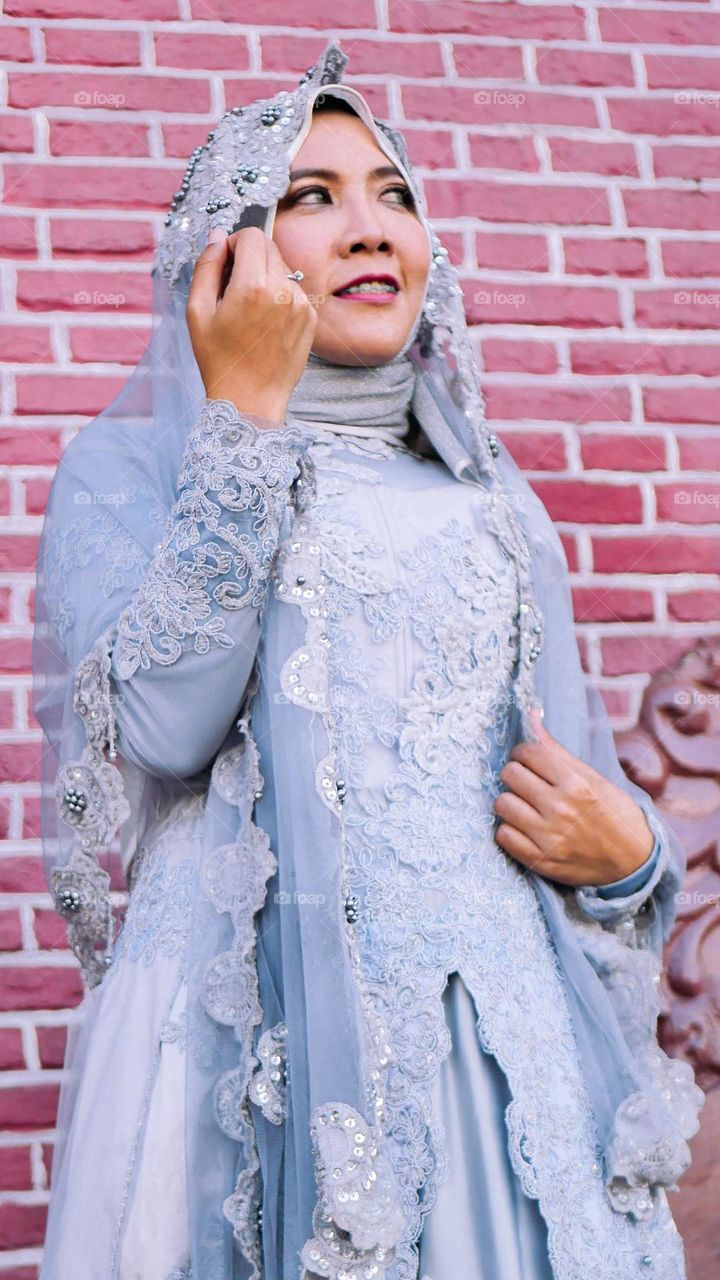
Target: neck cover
93, 557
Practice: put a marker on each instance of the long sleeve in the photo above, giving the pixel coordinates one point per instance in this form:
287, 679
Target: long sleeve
187, 639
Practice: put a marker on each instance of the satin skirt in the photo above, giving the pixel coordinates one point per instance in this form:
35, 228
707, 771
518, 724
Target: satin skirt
482, 1226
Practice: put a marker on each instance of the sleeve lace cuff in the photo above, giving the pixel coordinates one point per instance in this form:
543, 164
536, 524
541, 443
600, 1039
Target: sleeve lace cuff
220, 538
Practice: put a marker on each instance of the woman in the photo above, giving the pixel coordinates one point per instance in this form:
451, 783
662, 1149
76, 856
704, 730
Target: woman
383, 1004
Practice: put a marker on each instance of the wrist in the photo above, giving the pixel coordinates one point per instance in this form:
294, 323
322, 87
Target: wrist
267, 405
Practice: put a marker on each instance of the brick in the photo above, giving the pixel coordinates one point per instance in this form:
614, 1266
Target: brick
95, 47
239, 92
699, 453
51, 186
508, 355
22, 1225
83, 290
567, 404
100, 237
205, 52
50, 930
510, 21
658, 26
694, 606
489, 151
36, 496
18, 552
585, 501
16, 133
691, 258
15, 650
612, 604
536, 450
22, 874
661, 117
17, 45
630, 452
28, 1107
52, 1042
4, 511
498, 201
31, 817
577, 67
12, 1057
25, 344
511, 252
110, 344
66, 394
664, 358
17, 236
483, 106
144, 10
692, 210
19, 761
678, 308
667, 72
30, 445
651, 553
39, 987
305, 13
624, 655
98, 92
77, 138
681, 161
10, 931
570, 155
15, 1170
567, 305
586, 255
488, 62
682, 404
691, 502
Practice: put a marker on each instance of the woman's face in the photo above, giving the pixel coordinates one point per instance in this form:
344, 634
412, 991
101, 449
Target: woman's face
348, 222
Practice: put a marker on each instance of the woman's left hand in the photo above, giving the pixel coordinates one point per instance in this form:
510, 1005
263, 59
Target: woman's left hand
566, 821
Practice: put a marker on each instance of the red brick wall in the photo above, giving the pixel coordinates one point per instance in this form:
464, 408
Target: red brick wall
571, 157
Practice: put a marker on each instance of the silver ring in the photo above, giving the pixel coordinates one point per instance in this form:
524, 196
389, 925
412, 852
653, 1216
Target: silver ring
297, 275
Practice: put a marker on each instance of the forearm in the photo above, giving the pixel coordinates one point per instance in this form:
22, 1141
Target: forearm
186, 641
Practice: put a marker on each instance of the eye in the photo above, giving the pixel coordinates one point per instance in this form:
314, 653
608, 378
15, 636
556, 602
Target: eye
405, 192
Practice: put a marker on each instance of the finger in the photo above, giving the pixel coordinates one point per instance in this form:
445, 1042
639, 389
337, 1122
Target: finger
519, 847
525, 783
207, 277
541, 760
519, 814
249, 266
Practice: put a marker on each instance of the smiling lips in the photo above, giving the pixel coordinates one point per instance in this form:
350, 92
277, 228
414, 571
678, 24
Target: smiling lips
376, 289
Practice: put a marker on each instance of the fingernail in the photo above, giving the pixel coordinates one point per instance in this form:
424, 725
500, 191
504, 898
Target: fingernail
216, 234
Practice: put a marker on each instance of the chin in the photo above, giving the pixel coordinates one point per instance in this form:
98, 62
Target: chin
357, 353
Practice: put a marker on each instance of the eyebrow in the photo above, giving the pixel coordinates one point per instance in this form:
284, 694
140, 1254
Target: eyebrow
385, 171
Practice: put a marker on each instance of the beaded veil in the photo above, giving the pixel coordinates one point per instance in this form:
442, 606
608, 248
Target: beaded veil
93, 557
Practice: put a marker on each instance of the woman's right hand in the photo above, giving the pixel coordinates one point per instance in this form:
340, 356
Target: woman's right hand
251, 341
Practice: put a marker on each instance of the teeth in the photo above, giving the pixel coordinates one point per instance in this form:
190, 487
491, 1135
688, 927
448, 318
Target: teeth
370, 286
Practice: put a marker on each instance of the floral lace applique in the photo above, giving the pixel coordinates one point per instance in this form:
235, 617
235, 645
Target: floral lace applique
268, 1083
230, 469
157, 921
90, 800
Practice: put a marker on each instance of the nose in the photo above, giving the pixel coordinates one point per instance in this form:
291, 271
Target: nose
363, 228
